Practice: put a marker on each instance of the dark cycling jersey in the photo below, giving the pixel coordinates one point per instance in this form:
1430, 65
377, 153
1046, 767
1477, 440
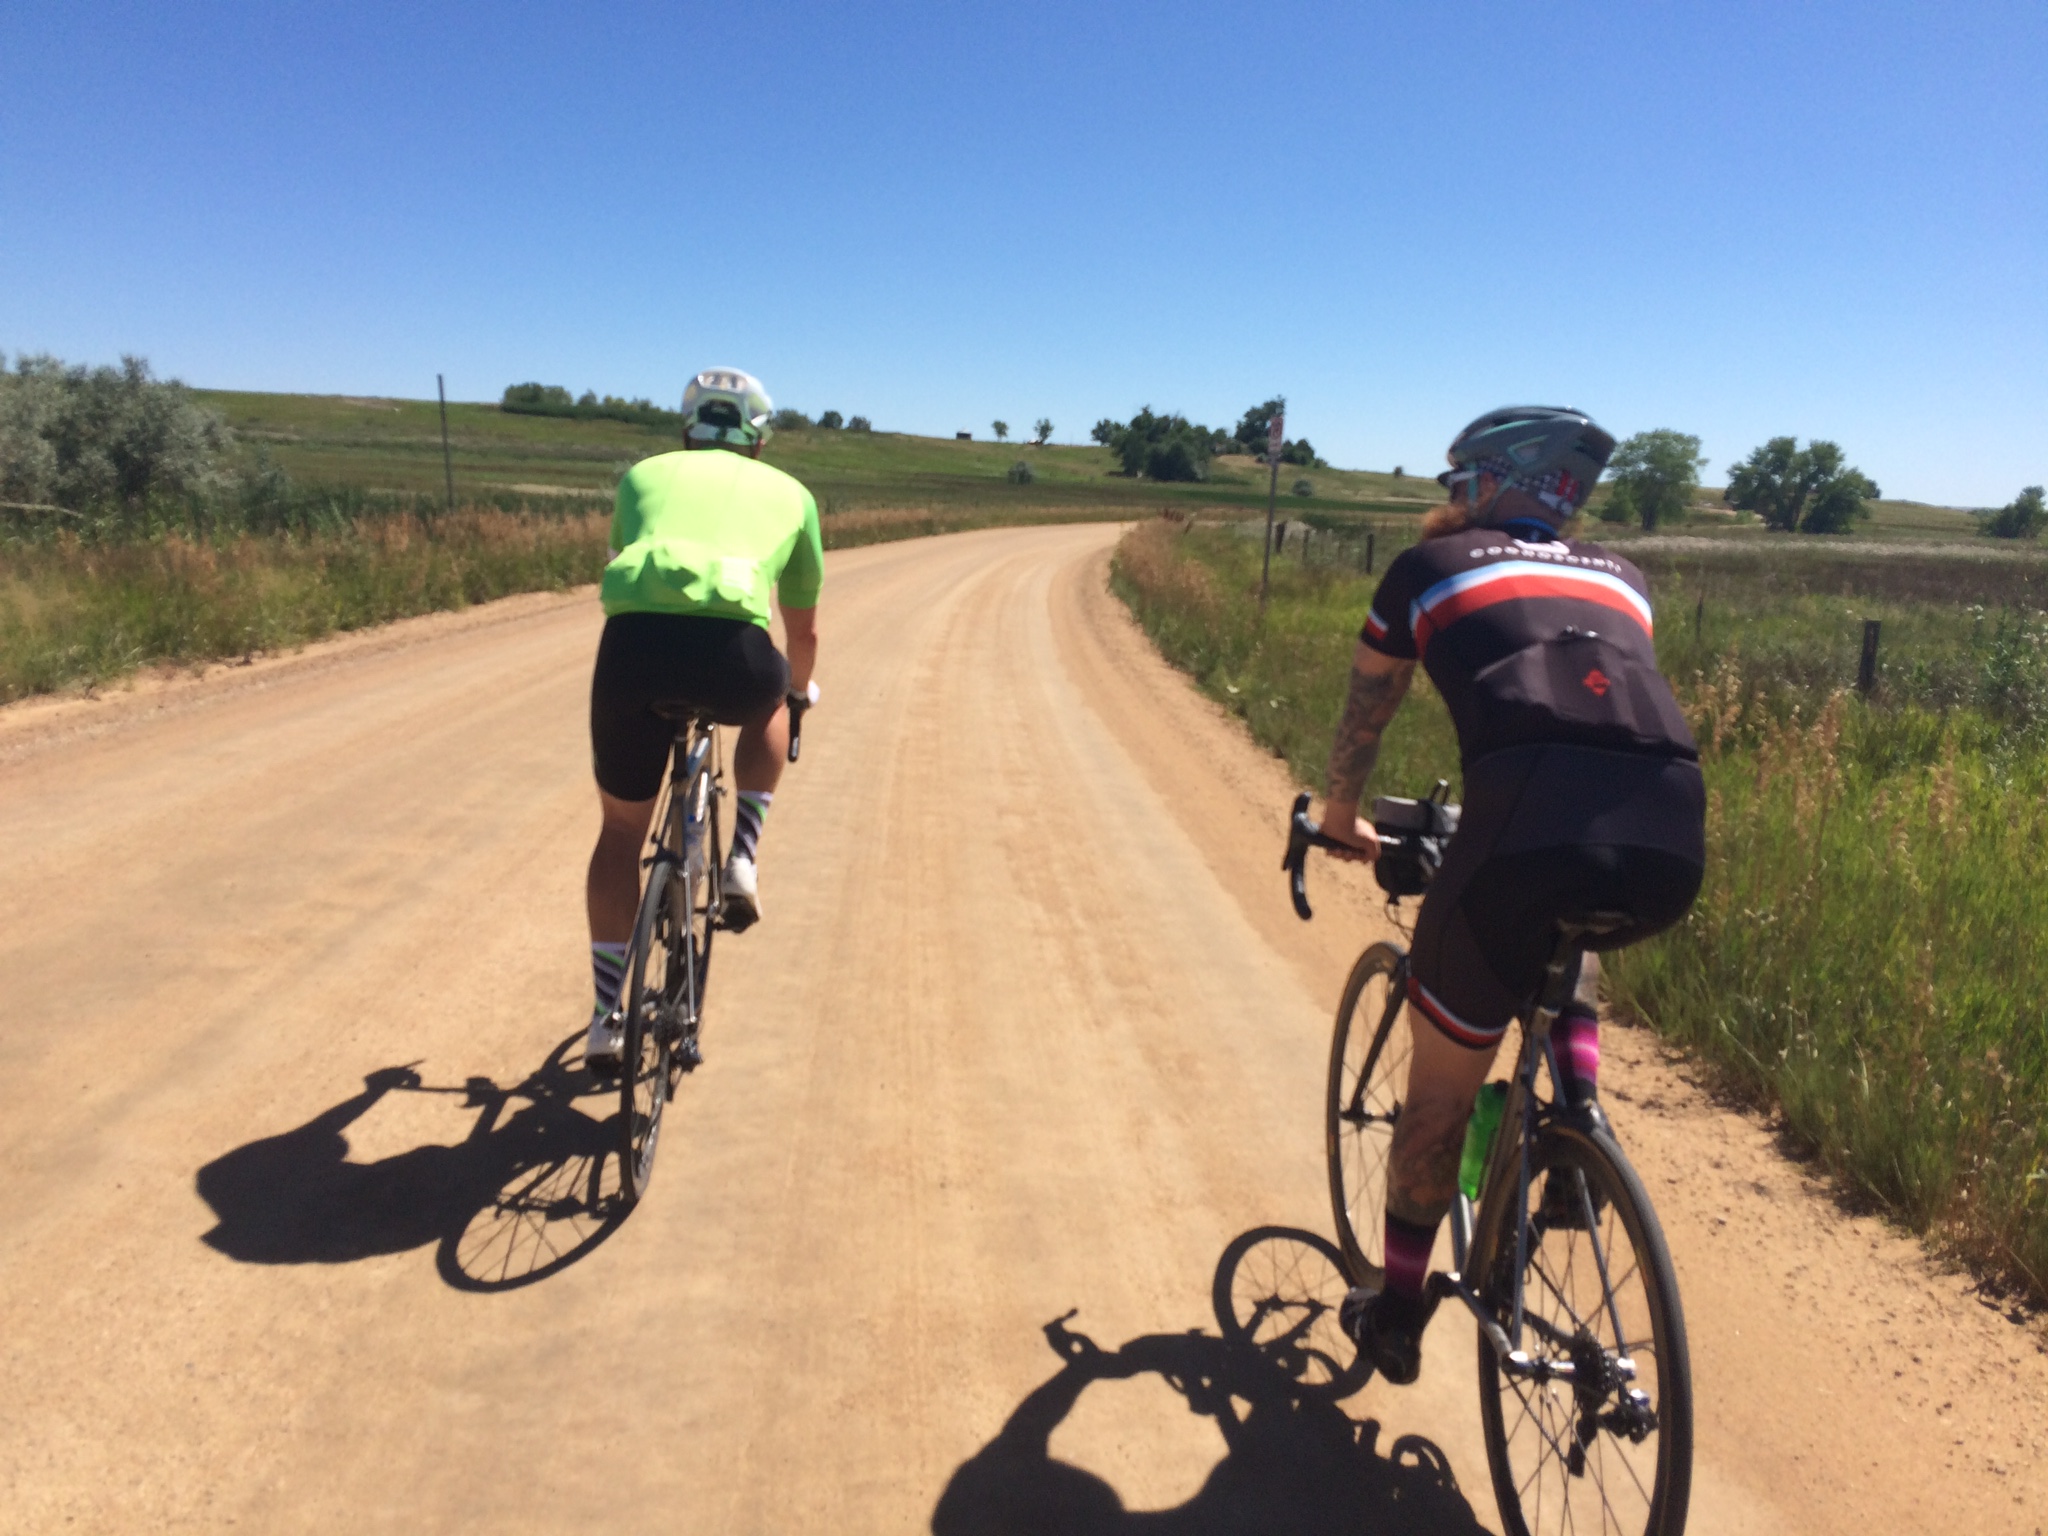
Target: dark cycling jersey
1530, 643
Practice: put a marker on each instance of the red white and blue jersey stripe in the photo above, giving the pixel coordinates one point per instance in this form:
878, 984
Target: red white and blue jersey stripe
1467, 602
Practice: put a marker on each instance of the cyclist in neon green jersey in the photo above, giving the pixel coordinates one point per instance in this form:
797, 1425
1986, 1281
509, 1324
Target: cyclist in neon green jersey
701, 541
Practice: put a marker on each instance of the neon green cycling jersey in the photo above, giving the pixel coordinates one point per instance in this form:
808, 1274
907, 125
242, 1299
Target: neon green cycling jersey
712, 533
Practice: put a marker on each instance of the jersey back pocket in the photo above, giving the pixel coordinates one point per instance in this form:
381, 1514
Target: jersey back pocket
1580, 686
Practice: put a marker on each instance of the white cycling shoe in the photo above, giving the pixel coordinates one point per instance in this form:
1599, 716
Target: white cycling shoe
742, 893
605, 1042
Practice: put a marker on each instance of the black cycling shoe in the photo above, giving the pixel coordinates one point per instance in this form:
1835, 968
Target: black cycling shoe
1387, 1328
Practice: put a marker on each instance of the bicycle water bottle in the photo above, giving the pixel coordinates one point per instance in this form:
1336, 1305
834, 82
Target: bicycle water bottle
1479, 1133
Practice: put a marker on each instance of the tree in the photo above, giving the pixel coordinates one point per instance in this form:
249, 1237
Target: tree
1157, 447
529, 395
789, 419
1041, 431
1001, 430
1811, 489
2021, 518
1655, 474
831, 421
859, 424
1256, 425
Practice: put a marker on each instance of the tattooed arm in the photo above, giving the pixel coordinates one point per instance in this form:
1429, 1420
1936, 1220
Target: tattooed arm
1378, 684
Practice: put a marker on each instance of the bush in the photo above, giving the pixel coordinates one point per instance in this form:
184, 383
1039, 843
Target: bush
859, 424
1020, 473
86, 438
1304, 488
831, 421
2021, 518
789, 420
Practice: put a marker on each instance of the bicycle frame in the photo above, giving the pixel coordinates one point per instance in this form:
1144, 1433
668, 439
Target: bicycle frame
1509, 1160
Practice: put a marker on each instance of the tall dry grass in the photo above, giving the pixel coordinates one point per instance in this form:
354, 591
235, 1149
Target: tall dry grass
75, 611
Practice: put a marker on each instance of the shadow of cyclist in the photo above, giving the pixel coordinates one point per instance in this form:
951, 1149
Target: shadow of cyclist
1296, 1462
527, 1193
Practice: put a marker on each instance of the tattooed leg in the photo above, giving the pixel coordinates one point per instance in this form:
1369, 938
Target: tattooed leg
1422, 1165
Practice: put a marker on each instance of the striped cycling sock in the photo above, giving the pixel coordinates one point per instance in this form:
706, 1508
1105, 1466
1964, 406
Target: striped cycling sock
608, 971
746, 822
1408, 1248
1575, 1037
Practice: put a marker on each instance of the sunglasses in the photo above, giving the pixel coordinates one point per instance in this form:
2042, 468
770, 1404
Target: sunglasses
1458, 481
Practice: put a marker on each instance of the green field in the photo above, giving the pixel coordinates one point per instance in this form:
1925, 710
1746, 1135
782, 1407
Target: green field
1871, 947
396, 445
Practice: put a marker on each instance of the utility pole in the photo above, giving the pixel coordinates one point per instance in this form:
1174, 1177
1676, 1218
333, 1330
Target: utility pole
447, 463
1274, 440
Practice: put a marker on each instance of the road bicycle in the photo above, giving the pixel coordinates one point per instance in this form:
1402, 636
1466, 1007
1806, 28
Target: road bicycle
1585, 1388
669, 957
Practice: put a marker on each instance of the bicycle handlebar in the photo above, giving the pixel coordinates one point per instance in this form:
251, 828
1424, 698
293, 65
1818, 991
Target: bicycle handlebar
1398, 845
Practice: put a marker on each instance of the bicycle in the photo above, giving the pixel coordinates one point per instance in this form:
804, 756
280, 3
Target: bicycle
668, 959
1585, 1384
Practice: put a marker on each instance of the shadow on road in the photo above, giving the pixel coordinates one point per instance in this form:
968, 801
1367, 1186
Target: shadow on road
1272, 1381
526, 1194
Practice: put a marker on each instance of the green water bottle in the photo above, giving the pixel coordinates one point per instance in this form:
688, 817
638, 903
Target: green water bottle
1479, 1133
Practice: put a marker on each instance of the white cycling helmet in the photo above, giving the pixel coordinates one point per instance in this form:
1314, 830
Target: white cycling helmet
724, 405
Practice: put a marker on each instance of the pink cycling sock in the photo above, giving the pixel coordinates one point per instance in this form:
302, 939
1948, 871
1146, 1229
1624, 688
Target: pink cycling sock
1408, 1249
1576, 1039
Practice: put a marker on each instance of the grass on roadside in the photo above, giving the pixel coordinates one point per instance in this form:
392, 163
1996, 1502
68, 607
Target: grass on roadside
73, 612
1871, 948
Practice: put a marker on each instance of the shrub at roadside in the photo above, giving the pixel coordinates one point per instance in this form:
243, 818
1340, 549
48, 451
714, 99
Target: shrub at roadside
81, 438
1871, 946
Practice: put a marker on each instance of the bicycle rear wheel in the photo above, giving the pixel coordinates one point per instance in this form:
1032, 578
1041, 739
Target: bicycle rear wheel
1610, 1449
656, 997
1368, 1077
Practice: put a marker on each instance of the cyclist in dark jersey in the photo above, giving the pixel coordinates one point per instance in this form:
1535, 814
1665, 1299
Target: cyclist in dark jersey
1582, 794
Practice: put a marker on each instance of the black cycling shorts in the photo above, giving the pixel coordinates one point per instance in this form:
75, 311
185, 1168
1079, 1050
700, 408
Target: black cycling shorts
1550, 832
727, 667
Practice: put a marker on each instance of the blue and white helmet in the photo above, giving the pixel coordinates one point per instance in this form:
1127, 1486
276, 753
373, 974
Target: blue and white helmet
725, 405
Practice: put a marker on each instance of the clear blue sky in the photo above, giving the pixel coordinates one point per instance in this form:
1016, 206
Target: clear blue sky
1737, 219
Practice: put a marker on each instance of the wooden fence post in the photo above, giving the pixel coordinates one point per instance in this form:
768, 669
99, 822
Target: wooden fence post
1866, 670
1369, 537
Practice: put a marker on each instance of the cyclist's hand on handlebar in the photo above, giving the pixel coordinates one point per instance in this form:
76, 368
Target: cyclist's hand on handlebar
1361, 840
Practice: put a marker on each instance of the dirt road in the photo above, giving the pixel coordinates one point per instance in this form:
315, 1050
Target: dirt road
296, 1192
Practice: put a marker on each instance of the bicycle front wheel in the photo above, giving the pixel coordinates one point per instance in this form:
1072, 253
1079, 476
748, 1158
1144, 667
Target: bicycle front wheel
1368, 1078
1609, 1449
656, 995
